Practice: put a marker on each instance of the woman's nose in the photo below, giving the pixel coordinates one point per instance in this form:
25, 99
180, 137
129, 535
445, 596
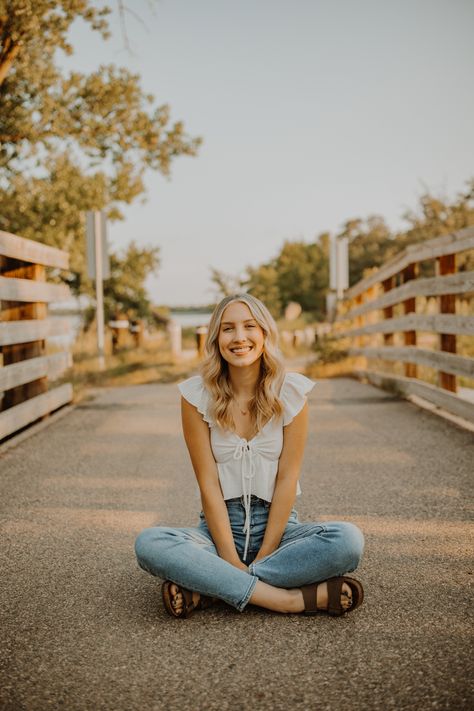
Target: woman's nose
239, 335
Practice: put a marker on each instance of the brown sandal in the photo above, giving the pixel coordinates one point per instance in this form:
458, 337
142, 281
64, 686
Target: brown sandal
188, 606
334, 596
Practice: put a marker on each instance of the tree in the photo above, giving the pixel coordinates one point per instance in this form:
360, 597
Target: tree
100, 130
437, 216
225, 284
302, 271
370, 244
262, 282
125, 290
52, 207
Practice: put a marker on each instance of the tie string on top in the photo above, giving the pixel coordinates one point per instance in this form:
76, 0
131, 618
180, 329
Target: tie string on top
245, 453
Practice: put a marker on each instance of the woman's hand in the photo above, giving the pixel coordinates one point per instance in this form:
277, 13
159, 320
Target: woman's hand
261, 555
241, 566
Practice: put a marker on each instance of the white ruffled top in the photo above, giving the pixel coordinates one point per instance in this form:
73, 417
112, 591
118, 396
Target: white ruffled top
249, 467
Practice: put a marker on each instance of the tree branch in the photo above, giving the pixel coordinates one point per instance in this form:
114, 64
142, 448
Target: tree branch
8, 53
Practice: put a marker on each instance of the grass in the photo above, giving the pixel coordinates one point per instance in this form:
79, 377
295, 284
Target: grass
152, 362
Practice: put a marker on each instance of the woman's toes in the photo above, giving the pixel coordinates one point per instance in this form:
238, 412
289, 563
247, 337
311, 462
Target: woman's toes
346, 596
196, 597
176, 597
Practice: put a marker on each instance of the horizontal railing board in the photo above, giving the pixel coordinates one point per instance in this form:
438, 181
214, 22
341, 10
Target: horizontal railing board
459, 283
445, 362
12, 289
26, 371
435, 323
12, 332
27, 412
29, 250
411, 386
452, 243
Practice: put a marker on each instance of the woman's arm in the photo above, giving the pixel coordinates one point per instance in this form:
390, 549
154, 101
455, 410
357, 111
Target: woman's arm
196, 434
289, 465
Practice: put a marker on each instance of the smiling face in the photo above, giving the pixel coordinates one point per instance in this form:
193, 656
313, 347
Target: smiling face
241, 338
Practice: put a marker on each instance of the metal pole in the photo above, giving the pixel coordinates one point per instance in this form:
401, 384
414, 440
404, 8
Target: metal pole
99, 288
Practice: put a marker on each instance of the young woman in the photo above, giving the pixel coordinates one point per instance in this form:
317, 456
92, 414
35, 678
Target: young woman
245, 424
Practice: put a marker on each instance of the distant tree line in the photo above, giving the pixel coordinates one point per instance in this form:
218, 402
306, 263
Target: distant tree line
300, 270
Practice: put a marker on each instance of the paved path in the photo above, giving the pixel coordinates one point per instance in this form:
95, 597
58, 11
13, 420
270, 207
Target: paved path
84, 628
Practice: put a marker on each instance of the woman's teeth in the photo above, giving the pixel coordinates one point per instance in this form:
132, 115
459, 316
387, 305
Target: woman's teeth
241, 350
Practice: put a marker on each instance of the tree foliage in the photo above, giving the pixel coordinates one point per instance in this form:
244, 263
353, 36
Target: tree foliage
370, 244
224, 284
48, 207
71, 142
262, 282
125, 290
437, 216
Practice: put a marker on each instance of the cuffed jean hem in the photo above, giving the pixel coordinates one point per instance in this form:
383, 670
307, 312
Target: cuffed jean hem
240, 607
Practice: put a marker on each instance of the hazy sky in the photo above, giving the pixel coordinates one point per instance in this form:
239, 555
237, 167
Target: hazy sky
311, 111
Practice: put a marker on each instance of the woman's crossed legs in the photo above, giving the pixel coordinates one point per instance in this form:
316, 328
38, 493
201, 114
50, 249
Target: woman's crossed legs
308, 553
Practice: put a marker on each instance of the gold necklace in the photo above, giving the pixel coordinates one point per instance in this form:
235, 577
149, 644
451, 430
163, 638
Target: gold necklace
242, 412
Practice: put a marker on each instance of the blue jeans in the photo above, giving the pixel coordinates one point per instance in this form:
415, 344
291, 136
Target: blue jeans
308, 553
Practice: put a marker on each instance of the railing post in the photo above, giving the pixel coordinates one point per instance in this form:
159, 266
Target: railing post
447, 305
388, 311
409, 306
359, 322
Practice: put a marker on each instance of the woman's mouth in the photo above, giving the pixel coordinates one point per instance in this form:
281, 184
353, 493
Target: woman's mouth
241, 350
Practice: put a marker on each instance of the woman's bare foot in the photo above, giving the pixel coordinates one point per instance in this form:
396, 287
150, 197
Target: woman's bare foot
294, 604
322, 596
177, 598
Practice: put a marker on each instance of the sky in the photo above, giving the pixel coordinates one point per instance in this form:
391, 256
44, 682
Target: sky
312, 112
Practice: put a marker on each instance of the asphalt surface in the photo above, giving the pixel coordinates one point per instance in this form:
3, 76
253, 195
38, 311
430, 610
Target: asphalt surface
83, 628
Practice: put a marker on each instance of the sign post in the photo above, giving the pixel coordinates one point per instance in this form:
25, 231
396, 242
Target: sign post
98, 269
338, 272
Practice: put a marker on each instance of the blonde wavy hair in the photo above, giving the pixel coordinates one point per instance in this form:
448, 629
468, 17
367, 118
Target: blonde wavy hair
215, 373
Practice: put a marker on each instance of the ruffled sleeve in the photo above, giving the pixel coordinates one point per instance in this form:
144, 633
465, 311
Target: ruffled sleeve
293, 394
193, 391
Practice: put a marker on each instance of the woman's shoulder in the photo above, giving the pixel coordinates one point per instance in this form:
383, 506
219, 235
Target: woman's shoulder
296, 383
192, 384
294, 390
194, 391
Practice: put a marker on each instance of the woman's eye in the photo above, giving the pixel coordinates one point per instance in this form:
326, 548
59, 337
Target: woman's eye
251, 325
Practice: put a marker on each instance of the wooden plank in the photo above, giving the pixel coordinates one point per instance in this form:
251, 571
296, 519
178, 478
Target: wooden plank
448, 362
12, 289
31, 330
452, 243
27, 412
460, 283
434, 323
447, 305
14, 310
25, 371
409, 386
28, 250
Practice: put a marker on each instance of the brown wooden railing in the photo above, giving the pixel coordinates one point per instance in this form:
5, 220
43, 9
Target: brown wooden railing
25, 367
395, 324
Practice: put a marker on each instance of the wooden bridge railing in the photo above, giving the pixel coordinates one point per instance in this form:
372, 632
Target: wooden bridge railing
385, 320
25, 367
